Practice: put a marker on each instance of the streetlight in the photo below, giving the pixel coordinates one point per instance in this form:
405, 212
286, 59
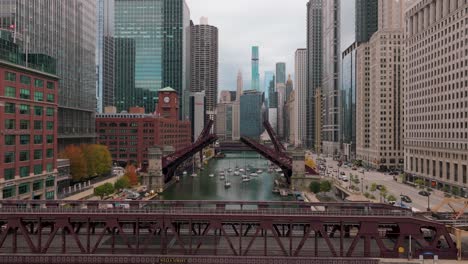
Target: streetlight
428, 200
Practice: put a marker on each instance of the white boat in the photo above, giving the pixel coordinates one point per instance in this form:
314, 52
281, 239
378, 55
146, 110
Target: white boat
278, 170
222, 173
259, 171
229, 170
253, 174
211, 175
227, 184
242, 170
194, 174
246, 179
236, 173
184, 173
222, 177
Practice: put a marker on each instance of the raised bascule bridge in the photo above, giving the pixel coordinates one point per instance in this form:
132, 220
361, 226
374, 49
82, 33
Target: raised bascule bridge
214, 232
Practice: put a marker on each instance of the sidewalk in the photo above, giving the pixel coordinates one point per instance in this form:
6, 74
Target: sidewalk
89, 192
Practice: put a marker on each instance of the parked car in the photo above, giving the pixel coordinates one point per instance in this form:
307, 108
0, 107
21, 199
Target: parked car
354, 168
406, 199
393, 173
342, 173
344, 178
424, 193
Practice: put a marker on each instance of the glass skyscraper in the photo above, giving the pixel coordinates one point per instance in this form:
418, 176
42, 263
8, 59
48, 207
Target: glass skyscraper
366, 19
269, 76
348, 97
255, 69
251, 114
151, 47
281, 72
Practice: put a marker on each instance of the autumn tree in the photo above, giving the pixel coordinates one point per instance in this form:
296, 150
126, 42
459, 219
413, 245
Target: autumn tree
131, 174
98, 158
78, 164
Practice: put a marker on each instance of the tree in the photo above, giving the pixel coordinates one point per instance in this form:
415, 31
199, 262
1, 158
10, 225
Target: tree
78, 164
373, 187
419, 183
131, 174
98, 158
122, 183
391, 198
455, 190
325, 186
314, 187
104, 190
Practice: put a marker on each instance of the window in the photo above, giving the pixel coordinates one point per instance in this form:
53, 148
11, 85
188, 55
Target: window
50, 139
50, 181
9, 192
37, 169
50, 111
10, 76
9, 157
50, 125
25, 80
39, 96
49, 167
24, 155
37, 139
24, 139
24, 124
50, 85
37, 185
10, 140
9, 174
50, 98
37, 124
49, 153
10, 91
23, 188
25, 94
10, 108
10, 124
38, 110
24, 171
24, 109
50, 195
39, 83
37, 154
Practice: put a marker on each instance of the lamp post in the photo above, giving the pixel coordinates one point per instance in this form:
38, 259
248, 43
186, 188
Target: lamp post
428, 201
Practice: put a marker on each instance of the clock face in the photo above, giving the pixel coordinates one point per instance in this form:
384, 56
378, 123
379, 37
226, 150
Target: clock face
167, 99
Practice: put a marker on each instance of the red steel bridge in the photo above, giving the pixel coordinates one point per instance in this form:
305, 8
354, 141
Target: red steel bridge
277, 155
213, 232
171, 162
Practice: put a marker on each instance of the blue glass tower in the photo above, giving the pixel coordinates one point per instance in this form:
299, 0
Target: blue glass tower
255, 69
269, 76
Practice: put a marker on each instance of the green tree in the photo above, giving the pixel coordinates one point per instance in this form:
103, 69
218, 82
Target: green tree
314, 187
455, 190
373, 187
98, 159
122, 183
104, 190
325, 186
391, 198
419, 183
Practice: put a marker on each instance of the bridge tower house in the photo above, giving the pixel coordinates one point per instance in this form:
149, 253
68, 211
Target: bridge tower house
154, 178
298, 168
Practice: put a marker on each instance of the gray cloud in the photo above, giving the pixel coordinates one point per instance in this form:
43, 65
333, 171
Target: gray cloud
278, 27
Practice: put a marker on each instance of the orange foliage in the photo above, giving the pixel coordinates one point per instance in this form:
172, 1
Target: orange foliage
131, 174
78, 165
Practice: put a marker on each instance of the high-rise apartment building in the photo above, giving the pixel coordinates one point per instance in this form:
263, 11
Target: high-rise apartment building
366, 19
363, 103
66, 31
204, 53
236, 133
161, 54
348, 102
255, 69
269, 76
105, 54
281, 95
281, 72
314, 70
436, 94
330, 77
385, 82
300, 77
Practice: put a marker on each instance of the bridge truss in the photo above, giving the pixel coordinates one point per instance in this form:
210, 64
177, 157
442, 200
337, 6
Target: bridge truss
231, 230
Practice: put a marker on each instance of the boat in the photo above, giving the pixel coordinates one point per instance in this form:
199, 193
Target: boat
227, 184
222, 177
276, 190
184, 173
241, 170
236, 173
246, 179
253, 174
278, 170
177, 178
283, 192
211, 175
229, 170
193, 169
194, 174
259, 172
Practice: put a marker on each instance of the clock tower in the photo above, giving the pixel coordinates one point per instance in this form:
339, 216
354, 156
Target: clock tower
168, 104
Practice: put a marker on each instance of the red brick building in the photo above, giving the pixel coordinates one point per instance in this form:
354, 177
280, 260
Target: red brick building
28, 132
128, 135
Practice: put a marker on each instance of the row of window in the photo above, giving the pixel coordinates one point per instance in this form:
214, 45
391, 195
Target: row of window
24, 109
25, 188
25, 171
10, 140
11, 76
10, 156
25, 124
10, 91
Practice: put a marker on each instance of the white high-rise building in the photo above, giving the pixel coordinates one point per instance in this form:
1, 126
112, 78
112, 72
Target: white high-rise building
436, 94
300, 104
236, 108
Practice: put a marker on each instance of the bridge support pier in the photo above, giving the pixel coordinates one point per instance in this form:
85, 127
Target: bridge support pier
154, 178
298, 180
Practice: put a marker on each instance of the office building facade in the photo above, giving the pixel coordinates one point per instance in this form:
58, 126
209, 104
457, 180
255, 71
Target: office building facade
269, 76
255, 69
348, 102
251, 114
236, 108
70, 39
300, 77
314, 70
436, 94
366, 19
204, 64
281, 72
161, 49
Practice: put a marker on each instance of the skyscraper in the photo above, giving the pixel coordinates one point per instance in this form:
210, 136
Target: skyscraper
255, 69
269, 76
330, 77
436, 95
236, 108
314, 71
300, 73
70, 39
281, 72
204, 52
105, 54
251, 116
366, 19
161, 50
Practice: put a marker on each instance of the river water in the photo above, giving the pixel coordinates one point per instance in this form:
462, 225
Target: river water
203, 187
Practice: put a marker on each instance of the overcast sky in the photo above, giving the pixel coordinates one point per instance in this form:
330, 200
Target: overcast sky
278, 27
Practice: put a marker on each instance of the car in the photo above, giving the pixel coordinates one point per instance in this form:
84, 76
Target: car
342, 173
393, 173
424, 193
379, 187
344, 178
354, 168
406, 199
